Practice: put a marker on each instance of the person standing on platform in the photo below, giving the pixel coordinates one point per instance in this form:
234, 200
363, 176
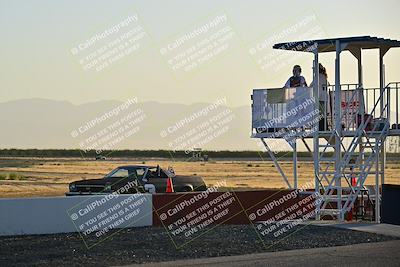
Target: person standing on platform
296, 80
323, 97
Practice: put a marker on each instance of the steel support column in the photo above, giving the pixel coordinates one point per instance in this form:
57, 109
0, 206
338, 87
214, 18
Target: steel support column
338, 129
316, 128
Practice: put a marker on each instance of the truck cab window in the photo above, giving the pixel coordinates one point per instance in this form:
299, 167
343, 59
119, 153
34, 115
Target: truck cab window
153, 173
118, 173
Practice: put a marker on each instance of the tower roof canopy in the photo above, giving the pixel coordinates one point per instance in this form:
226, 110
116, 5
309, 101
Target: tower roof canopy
329, 45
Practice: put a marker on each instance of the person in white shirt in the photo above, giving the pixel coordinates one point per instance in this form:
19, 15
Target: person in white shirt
296, 80
323, 96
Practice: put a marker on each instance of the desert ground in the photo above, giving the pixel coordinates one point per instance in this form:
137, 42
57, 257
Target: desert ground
28, 177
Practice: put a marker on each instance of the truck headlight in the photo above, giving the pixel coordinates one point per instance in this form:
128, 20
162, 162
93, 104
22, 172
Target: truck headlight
72, 187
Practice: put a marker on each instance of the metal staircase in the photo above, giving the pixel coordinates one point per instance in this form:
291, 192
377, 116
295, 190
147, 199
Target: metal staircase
335, 202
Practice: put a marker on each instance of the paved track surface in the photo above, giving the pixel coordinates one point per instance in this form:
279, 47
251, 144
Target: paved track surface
369, 254
377, 228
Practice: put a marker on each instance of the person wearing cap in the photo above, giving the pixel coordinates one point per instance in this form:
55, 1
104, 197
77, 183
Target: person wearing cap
296, 80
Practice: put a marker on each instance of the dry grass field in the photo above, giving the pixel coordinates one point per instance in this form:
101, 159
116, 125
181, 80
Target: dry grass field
28, 177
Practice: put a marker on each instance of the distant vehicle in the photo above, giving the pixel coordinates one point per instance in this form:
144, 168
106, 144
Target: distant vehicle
134, 179
100, 157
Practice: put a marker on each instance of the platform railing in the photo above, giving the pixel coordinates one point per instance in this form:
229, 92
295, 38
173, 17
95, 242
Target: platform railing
356, 106
393, 99
278, 110
350, 105
357, 102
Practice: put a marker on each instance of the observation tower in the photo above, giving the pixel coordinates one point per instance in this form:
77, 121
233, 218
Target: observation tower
349, 145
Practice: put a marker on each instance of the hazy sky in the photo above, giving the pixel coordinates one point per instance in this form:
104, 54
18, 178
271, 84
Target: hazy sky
38, 38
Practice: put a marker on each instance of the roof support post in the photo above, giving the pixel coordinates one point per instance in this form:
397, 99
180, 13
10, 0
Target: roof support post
338, 129
316, 125
361, 107
356, 52
382, 52
359, 68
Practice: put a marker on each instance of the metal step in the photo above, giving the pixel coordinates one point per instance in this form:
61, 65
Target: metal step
327, 159
335, 198
358, 175
369, 145
352, 165
328, 145
327, 172
333, 187
329, 211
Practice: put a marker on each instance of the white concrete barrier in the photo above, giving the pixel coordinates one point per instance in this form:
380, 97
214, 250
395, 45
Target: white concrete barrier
90, 215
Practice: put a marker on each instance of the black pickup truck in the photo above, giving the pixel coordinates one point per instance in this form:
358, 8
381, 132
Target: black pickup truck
134, 179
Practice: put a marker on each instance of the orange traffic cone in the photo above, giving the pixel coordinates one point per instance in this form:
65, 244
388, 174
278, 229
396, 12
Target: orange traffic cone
170, 186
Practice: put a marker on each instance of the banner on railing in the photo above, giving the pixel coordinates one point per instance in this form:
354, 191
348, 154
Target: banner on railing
350, 107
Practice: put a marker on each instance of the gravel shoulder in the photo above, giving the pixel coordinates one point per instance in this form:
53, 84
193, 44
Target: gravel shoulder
149, 244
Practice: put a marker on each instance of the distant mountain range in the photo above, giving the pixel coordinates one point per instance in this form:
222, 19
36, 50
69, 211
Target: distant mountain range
43, 123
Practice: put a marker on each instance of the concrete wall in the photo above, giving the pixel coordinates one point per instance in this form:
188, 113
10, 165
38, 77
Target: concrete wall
233, 207
69, 214
95, 216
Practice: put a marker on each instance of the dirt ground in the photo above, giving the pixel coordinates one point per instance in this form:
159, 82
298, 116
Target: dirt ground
50, 176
